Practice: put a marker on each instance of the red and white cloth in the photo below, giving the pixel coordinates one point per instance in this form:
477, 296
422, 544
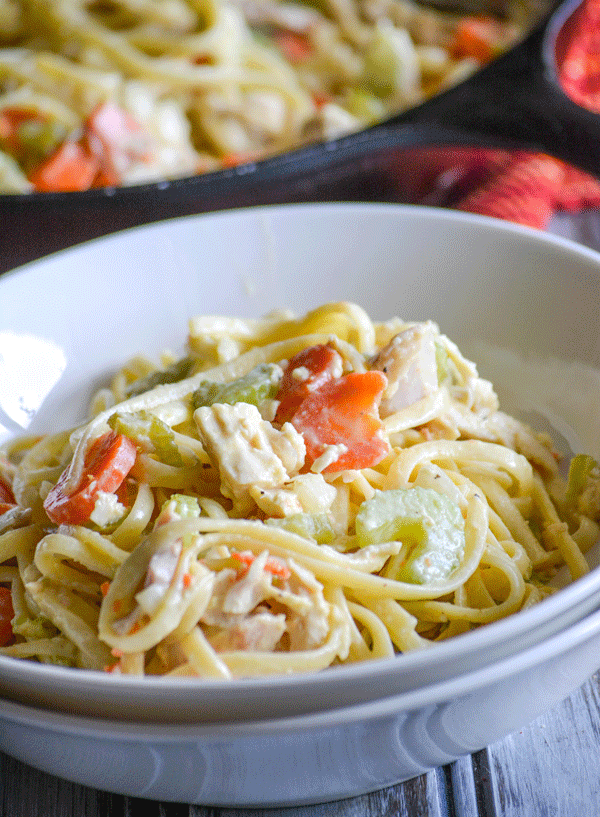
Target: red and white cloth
522, 187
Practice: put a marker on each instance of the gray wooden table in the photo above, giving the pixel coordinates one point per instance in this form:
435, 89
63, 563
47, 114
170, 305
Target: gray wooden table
549, 768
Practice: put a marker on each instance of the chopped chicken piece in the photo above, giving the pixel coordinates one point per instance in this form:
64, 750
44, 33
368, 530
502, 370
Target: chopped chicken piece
238, 615
160, 573
409, 364
306, 493
250, 590
336, 121
309, 630
247, 450
259, 632
289, 16
278, 502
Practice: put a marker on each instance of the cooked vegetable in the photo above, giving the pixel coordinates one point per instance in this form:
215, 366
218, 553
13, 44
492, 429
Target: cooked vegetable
480, 37
311, 526
28, 137
579, 471
150, 434
305, 372
69, 168
341, 418
6, 616
7, 499
171, 374
258, 385
106, 465
428, 522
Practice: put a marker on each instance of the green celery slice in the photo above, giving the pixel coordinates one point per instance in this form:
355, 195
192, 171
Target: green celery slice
260, 384
430, 523
151, 433
310, 526
177, 371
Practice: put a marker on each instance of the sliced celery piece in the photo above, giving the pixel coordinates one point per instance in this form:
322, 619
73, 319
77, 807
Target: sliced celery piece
33, 628
258, 385
177, 371
151, 433
579, 470
364, 105
35, 140
441, 360
431, 525
181, 506
310, 526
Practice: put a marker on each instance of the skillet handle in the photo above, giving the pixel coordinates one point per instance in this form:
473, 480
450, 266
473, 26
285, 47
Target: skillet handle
516, 102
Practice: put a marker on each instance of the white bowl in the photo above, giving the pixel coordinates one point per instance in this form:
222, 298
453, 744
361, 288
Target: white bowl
518, 301
313, 758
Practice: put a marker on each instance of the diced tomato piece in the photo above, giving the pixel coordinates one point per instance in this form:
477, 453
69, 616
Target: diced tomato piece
295, 47
107, 463
236, 159
344, 411
305, 372
6, 616
320, 98
68, 169
479, 37
6, 494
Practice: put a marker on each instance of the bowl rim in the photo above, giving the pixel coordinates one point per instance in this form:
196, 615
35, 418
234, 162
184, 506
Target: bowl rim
399, 209
385, 707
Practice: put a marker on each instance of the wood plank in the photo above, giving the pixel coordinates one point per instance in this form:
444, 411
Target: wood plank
463, 789
423, 796
27, 792
550, 767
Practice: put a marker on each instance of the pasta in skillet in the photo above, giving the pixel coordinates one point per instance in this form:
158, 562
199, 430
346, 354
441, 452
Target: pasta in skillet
97, 93
294, 493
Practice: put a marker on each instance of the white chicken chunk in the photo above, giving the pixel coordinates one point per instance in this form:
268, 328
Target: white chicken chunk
409, 364
306, 493
160, 573
251, 612
234, 611
247, 450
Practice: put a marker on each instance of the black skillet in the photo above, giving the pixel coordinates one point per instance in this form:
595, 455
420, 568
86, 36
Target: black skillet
514, 102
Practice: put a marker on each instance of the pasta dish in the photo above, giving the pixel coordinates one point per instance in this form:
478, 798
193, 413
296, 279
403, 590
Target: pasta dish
102, 93
294, 493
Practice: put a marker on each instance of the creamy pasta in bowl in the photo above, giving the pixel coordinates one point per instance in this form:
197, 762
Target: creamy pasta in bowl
295, 493
314, 498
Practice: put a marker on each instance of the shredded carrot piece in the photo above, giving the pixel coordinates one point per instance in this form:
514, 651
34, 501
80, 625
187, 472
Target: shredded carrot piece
272, 565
